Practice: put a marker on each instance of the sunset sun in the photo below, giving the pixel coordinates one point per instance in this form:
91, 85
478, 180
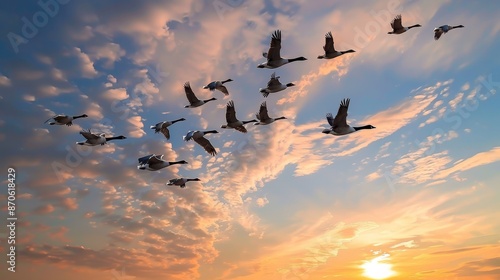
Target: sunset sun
375, 269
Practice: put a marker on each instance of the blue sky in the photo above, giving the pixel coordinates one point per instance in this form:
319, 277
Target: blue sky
284, 201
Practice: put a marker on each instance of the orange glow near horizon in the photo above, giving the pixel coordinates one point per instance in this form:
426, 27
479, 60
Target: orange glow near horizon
377, 269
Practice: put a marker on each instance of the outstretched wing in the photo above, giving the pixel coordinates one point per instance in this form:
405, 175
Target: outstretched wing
241, 129
329, 43
175, 181
89, 135
164, 130
263, 115
230, 112
190, 94
437, 33
274, 81
396, 23
155, 159
202, 141
274, 50
329, 118
223, 89
341, 117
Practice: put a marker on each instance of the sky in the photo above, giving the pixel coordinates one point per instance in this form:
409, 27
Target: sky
414, 198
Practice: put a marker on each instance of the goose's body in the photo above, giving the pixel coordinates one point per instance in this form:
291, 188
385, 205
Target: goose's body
155, 162
193, 100
398, 28
329, 48
339, 124
94, 139
64, 119
181, 182
198, 137
444, 29
232, 121
218, 85
163, 127
274, 85
263, 116
274, 59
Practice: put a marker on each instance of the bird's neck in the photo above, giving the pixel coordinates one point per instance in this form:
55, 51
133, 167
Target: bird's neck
211, 131
80, 116
362, 127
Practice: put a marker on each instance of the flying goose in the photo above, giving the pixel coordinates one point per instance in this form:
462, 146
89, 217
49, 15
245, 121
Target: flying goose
155, 162
94, 139
274, 85
162, 127
274, 59
197, 136
219, 85
330, 51
232, 121
193, 100
444, 29
339, 125
181, 182
263, 117
397, 27
64, 119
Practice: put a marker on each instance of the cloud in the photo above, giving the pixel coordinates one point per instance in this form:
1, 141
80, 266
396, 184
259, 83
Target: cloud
474, 161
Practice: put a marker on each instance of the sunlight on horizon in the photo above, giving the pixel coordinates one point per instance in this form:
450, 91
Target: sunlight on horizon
376, 269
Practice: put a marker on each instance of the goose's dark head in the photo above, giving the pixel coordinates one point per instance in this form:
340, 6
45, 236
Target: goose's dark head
260, 66
326, 131
85, 116
228, 80
290, 84
195, 179
182, 162
121, 137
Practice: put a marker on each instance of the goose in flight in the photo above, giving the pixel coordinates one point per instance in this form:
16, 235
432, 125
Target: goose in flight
330, 51
163, 127
198, 137
155, 162
274, 59
94, 139
232, 121
339, 125
193, 100
181, 182
444, 29
219, 85
64, 119
274, 85
397, 27
263, 117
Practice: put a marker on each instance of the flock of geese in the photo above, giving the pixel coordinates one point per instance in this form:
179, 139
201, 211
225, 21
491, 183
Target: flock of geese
338, 124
